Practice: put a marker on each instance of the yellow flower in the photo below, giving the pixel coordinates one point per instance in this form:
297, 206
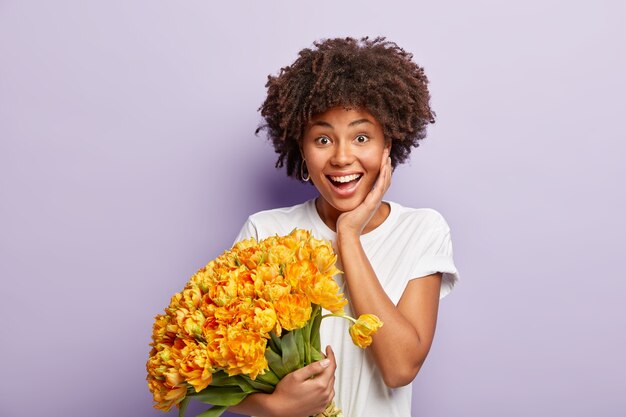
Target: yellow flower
245, 286
280, 254
265, 275
196, 367
298, 274
226, 290
300, 234
242, 352
361, 331
265, 319
167, 385
324, 260
244, 244
191, 296
324, 291
293, 311
222, 318
192, 324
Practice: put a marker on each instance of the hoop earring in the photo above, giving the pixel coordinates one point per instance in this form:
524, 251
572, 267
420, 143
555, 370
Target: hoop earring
302, 171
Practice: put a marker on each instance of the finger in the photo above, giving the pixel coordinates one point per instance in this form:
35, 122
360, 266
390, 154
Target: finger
388, 170
331, 355
313, 369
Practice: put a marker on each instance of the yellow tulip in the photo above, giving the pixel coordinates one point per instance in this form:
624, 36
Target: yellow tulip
324, 291
324, 259
293, 311
280, 254
361, 331
243, 352
196, 367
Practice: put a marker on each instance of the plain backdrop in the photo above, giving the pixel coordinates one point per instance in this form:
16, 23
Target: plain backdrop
128, 160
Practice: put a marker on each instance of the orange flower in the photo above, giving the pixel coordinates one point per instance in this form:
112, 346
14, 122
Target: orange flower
324, 291
324, 259
301, 235
166, 384
222, 318
293, 311
242, 352
265, 319
361, 331
280, 255
196, 367
226, 290
299, 274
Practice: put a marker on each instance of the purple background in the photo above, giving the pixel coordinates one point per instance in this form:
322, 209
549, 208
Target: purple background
128, 160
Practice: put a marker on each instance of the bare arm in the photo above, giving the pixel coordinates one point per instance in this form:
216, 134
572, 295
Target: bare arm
411, 324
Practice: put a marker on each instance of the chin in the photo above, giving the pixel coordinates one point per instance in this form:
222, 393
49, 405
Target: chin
343, 205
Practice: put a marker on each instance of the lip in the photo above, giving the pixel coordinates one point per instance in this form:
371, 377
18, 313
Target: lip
344, 192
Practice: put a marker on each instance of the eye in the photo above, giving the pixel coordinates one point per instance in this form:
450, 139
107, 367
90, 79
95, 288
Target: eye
361, 138
322, 140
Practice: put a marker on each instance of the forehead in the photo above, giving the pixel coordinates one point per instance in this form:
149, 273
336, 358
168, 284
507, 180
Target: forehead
343, 117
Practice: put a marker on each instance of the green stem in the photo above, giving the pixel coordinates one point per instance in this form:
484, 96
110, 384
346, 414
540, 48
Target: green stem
343, 316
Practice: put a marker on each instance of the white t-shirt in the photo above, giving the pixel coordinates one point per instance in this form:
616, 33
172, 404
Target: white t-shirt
410, 243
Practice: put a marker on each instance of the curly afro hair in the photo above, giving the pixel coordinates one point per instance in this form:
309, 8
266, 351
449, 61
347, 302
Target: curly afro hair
373, 74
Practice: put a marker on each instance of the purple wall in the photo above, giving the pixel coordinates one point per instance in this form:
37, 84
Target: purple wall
128, 160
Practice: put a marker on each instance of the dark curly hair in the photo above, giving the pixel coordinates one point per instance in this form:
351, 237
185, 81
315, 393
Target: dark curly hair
373, 74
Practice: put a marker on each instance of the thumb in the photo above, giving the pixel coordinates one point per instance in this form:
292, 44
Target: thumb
313, 369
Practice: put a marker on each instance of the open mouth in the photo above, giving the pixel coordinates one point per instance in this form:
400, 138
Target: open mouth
344, 182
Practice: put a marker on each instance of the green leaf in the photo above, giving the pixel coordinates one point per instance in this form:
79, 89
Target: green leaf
183, 406
244, 384
275, 363
291, 357
275, 343
269, 378
316, 355
221, 379
220, 395
215, 411
300, 343
315, 329
260, 385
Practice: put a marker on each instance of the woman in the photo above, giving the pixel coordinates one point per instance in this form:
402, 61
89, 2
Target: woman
342, 116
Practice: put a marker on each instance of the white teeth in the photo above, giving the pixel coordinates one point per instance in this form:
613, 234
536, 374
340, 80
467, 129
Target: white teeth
346, 178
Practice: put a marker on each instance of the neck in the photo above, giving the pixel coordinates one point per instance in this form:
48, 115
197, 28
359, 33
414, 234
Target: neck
330, 214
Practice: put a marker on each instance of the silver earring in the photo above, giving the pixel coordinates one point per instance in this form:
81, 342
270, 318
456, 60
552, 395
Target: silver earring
303, 170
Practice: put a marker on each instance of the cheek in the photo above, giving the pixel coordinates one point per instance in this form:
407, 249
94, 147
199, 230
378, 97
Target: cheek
372, 159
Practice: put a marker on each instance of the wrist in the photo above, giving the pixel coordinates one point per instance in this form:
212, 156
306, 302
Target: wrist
347, 237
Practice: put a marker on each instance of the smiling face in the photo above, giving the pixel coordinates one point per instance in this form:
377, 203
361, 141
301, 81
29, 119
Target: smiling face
343, 150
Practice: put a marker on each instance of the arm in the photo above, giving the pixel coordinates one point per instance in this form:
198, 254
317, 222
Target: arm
302, 393
412, 322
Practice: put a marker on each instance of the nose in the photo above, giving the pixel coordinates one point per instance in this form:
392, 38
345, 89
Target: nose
342, 155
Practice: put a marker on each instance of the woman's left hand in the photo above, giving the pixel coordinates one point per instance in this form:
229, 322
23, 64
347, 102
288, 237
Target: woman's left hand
354, 221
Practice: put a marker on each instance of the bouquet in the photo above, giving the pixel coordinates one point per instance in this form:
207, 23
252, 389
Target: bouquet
245, 320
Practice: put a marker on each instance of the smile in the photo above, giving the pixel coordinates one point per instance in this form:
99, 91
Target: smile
345, 178
345, 185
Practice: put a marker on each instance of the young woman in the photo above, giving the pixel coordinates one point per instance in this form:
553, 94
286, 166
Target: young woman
342, 116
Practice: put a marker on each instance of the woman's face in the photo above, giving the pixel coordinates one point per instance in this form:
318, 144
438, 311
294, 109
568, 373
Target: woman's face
343, 150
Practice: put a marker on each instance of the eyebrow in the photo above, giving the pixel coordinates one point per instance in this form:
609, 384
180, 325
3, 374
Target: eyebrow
353, 123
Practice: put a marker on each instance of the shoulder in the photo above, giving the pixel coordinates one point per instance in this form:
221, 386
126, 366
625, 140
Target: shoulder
278, 215
419, 218
279, 221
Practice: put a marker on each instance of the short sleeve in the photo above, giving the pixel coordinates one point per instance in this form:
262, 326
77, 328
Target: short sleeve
247, 231
437, 257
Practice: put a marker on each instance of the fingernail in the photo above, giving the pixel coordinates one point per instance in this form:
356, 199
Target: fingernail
389, 159
325, 363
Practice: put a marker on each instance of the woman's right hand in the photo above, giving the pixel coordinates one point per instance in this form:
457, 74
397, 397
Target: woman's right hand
306, 391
